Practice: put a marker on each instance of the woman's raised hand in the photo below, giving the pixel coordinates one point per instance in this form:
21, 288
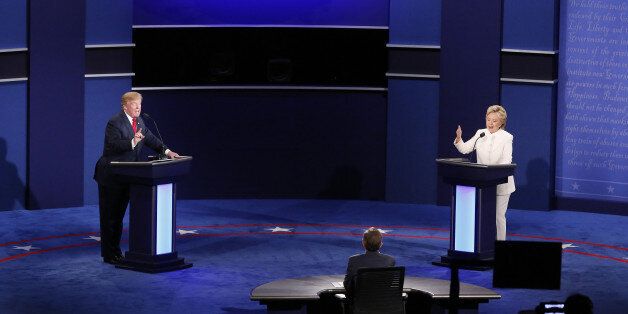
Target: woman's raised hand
458, 134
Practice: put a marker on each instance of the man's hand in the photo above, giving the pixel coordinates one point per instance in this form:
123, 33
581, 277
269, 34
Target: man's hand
172, 155
138, 136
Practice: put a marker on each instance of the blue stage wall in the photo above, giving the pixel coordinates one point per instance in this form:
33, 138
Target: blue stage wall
530, 24
12, 145
106, 23
592, 141
102, 101
412, 127
13, 24
415, 22
13, 111
261, 12
531, 119
469, 71
411, 145
56, 103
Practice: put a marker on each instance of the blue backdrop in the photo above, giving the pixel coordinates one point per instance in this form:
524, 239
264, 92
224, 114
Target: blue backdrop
13, 111
592, 133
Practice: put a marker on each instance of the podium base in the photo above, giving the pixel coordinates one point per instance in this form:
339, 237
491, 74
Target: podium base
153, 263
470, 264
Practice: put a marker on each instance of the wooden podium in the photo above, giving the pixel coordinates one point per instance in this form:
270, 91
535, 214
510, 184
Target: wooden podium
473, 202
152, 217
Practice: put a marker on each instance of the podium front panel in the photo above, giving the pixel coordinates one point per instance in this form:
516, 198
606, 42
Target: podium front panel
464, 218
164, 223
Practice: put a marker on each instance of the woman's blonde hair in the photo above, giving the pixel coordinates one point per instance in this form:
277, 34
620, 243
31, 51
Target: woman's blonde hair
501, 113
128, 96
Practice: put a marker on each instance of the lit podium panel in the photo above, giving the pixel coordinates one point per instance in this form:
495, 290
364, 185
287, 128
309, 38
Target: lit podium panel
473, 202
152, 217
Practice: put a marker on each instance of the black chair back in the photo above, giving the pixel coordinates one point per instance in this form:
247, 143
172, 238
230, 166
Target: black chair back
378, 290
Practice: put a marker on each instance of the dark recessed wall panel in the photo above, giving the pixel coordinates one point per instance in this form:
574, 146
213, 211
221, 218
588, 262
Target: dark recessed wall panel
529, 66
276, 56
109, 60
414, 61
275, 144
13, 64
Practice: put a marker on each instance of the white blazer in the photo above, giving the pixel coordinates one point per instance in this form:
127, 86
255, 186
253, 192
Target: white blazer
492, 149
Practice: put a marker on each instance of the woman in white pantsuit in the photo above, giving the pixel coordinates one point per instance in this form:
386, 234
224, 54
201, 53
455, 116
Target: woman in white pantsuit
492, 148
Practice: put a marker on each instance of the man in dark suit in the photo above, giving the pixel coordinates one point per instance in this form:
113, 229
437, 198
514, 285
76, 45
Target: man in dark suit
125, 136
372, 242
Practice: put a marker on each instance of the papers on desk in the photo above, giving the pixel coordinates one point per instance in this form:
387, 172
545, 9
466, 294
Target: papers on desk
337, 284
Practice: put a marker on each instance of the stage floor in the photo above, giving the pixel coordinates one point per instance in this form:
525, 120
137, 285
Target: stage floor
50, 259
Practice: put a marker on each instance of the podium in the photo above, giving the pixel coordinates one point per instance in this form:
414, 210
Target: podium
473, 203
152, 217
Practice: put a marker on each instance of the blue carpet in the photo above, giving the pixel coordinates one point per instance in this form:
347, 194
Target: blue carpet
50, 261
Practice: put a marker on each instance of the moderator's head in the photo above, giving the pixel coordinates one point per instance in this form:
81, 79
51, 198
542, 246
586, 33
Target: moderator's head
372, 240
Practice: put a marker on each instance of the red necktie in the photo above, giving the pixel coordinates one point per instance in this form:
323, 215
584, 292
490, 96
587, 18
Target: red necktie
134, 125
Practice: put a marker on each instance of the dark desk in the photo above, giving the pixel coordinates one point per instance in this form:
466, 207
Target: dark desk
315, 295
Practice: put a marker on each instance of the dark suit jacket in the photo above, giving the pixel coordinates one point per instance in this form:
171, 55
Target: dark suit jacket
366, 260
118, 136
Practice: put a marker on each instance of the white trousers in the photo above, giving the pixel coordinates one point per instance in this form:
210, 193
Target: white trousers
500, 210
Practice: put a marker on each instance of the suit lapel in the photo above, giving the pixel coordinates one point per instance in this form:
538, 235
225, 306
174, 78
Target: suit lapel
127, 128
140, 124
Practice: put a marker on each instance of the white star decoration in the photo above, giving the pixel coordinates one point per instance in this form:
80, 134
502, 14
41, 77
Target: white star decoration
27, 248
568, 245
610, 189
279, 229
95, 238
575, 186
182, 231
384, 231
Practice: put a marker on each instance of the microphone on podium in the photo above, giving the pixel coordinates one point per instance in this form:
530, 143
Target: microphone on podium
476, 140
162, 154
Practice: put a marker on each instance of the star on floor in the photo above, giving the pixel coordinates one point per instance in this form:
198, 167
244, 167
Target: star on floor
610, 189
279, 229
183, 231
568, 245
95, 238
26, 248
575, 186
384, 231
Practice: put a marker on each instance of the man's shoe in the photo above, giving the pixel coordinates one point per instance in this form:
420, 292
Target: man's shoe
113, 260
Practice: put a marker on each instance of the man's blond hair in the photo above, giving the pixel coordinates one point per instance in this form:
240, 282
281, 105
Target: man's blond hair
129, 96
